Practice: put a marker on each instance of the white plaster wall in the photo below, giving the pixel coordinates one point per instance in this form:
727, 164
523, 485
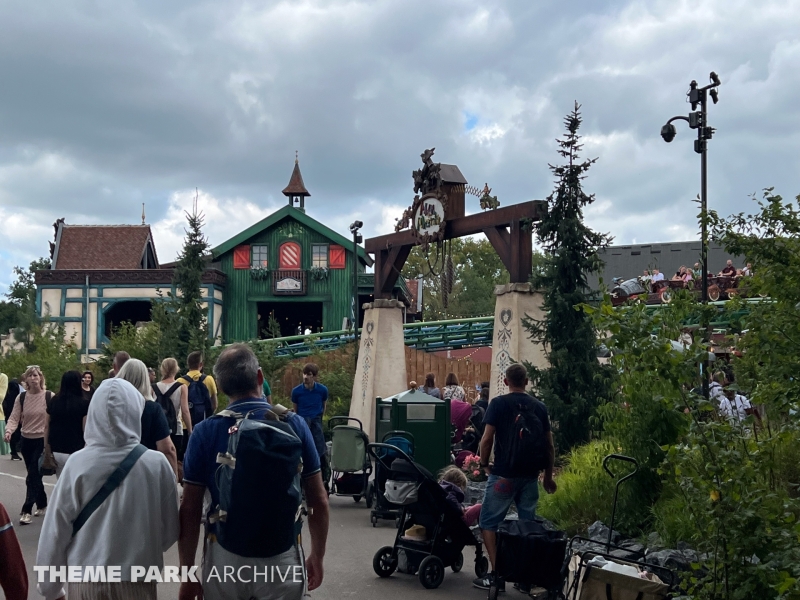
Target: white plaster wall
75, 329
74, 309
75, 293
51, 302
218, 294
93, 325
381, 369
130, 293
92, 292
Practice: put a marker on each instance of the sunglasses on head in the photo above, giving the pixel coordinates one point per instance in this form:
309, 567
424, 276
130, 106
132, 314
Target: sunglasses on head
33, 367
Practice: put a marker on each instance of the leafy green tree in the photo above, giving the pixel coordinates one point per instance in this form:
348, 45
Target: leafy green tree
575, 384
477, 269
140, 342
49, 350
180, 318
22, 294
9, 316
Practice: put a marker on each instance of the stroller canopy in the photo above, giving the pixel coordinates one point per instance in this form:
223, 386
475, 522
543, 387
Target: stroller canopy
348, 449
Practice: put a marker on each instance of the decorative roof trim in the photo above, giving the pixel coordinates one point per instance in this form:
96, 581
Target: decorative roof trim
304, 219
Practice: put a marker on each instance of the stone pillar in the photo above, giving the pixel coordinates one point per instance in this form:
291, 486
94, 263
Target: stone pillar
381, 368
510, 341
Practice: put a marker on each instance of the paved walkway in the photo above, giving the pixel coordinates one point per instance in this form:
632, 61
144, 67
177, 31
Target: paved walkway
352, 542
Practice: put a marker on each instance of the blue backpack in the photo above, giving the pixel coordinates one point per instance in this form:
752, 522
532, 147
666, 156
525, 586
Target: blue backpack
199, 399
260, 501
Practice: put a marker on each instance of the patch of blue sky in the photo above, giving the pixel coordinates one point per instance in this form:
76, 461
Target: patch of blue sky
470, 121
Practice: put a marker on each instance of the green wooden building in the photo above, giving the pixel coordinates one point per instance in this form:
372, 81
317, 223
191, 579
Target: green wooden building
294, 268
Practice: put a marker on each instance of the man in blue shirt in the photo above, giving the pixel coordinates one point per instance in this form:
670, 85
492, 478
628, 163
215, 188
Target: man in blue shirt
238, 375
309, 400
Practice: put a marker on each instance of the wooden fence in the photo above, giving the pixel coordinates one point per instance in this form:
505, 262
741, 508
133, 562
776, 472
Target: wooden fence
419, 363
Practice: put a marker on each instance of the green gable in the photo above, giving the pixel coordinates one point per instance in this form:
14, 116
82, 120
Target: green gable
277, 217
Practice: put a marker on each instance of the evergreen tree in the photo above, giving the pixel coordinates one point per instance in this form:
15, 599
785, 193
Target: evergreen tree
182, 320
575, 383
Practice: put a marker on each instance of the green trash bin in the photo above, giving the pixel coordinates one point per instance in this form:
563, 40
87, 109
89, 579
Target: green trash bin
423, 416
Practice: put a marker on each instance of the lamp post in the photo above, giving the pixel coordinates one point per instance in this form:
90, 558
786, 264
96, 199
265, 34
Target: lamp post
357, 239
698, 119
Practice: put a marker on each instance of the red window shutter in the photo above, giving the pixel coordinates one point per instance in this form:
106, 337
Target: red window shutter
241, 257
289, 256
337, 257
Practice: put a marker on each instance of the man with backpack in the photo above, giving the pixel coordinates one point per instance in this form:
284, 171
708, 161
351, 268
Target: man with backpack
518, 426
253, 523
202, 389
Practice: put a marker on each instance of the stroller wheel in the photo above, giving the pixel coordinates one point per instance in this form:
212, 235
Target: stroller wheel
431, 572
357, 498
370, 491
384, 563
458, 563
481, 567
493, 591
374, 520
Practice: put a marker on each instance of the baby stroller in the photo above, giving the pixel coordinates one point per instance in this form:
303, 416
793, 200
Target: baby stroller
392, 442
433, 533
350, 463
595, 573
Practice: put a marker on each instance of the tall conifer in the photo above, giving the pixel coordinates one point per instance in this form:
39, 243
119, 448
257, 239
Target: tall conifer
575, 383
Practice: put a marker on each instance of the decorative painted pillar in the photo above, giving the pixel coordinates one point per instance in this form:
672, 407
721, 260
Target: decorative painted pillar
511, 342
381, 368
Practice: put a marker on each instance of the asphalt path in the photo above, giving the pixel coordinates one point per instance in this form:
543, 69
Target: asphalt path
352, 542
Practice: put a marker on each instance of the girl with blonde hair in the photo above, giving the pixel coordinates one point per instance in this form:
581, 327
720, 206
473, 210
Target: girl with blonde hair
30, 415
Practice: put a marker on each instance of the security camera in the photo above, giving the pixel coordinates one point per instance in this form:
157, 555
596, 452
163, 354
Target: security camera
358, 224
668, 132
714, 78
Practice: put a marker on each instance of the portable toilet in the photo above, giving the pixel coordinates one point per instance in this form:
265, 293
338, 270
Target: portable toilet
426, 418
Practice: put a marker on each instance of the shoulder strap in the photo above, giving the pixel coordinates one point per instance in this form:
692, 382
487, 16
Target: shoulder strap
201, 379
157, 390
112, 483
172, 388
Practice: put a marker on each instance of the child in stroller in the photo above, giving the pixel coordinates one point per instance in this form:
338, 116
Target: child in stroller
433, 534
454, 483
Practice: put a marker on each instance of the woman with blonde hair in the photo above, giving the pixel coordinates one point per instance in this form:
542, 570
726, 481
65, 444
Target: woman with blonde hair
178, 394
30, 414
155, 430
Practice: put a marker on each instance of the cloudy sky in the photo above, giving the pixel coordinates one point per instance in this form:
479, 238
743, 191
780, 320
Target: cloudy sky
104, 106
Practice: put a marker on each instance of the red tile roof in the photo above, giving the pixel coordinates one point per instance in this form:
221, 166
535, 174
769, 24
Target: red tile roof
296, 186
102, 246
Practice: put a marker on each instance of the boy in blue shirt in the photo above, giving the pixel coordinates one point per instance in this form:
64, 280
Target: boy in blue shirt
309, 400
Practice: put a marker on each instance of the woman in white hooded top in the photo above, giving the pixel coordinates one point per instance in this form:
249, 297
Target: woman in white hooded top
138, 521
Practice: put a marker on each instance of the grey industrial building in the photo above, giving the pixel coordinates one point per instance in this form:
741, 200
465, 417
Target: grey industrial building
631, 261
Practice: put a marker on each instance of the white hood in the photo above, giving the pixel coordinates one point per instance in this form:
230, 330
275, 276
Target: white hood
115, 416
143, 508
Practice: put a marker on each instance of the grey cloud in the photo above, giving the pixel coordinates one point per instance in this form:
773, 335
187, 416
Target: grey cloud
146, 99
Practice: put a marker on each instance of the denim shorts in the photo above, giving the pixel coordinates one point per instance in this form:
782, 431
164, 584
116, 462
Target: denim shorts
501, 492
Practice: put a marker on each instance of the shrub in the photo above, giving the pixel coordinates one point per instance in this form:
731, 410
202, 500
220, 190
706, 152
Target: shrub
586, 492
49, 350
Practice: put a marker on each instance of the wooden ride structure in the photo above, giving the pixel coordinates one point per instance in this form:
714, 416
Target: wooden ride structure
437, 214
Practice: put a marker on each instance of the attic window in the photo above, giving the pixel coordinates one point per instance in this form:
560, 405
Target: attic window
259, 257
319, 256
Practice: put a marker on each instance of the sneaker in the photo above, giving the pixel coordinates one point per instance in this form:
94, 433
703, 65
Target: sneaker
39, 512
523, 588
484, 583
16, 457
25, 519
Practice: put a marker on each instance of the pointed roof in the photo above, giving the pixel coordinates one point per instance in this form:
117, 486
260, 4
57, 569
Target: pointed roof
103, 247
296, 186
302, 218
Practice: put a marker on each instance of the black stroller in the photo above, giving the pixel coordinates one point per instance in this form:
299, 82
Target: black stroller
441, 533
381, 508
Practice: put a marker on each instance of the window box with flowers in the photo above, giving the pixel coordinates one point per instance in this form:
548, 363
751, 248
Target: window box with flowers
319, 273
259, 273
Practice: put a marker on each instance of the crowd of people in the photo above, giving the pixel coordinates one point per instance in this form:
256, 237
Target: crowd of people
124, 454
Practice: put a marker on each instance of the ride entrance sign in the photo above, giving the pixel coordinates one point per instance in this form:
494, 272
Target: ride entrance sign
429, 218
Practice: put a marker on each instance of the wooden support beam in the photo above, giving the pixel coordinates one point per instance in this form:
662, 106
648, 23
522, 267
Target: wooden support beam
462, 226
500, 240
514, 247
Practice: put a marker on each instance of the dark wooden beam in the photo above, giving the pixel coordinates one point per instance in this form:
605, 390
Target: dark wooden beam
500, 240
513, 247
462, 226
